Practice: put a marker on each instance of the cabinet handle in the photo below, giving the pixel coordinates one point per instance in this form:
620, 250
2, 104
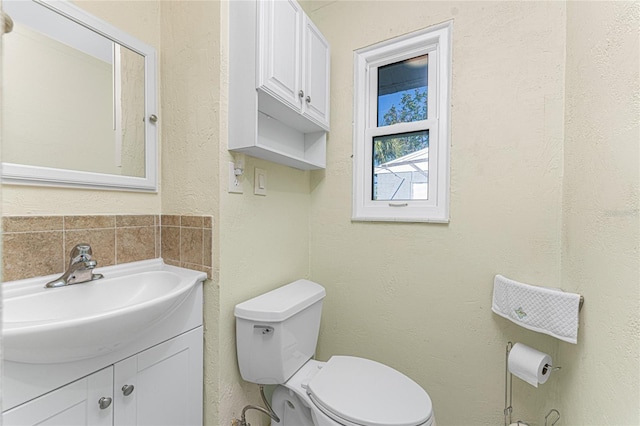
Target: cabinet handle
127, 390
104, 402
308, 99
301, 94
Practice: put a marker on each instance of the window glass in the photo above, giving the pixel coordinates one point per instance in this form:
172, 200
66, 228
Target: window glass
402, 91
401, 128
401, 167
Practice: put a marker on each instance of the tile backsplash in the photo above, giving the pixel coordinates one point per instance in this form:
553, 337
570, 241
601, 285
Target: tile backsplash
40, 245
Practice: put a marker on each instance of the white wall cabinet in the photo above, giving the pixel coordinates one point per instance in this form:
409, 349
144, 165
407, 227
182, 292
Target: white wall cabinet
279, 84
159, 386
293, 61
279, 50
316, 74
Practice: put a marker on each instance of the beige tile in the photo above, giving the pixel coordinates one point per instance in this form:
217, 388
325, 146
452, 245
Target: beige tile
208, 222
195, 267
32, 254
32, 223
207, 242
169, 220
89, 222
170, 243
192, 221
172, 262
102, 242
133, 244
191, 245
158, 243
135, 220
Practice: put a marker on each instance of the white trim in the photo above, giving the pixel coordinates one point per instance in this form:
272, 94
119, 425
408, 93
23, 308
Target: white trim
35, 175
117, 103
435, 41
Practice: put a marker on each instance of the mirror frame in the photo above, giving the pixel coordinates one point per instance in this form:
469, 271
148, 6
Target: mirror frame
48, 176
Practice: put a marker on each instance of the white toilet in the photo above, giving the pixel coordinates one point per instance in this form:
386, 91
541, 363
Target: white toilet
276, 336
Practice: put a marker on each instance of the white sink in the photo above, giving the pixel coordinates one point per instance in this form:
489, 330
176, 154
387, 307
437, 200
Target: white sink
52, 325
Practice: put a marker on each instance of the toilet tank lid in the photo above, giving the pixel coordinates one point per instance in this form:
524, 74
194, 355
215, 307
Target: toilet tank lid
281, 303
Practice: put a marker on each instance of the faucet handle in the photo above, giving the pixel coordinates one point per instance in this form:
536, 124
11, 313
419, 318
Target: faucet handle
81, 252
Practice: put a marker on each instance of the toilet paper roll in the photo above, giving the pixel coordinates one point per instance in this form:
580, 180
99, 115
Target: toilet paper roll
528, 364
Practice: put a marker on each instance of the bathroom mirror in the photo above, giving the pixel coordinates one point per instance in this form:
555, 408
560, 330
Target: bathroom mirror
79, 101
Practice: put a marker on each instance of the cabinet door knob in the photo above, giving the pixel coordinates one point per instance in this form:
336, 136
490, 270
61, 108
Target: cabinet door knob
308, 99
127, 390
104, 402
301, 94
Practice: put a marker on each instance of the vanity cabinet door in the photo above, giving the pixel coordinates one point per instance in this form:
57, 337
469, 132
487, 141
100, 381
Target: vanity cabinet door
279, 44
85, 402
162, 385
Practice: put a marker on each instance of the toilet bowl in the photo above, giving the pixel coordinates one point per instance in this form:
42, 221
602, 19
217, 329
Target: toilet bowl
351, 391
276, 335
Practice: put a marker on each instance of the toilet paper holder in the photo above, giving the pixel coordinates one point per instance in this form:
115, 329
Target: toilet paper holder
548, 367
508, 391
508, 388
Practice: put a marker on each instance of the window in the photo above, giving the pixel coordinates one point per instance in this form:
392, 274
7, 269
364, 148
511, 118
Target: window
401, 128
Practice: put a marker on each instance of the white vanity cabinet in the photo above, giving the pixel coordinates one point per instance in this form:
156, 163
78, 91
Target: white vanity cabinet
162, 385
88, 401
159, 386
279, 83
93, 373
293, 61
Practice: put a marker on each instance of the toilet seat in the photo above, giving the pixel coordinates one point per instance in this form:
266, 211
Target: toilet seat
358, 391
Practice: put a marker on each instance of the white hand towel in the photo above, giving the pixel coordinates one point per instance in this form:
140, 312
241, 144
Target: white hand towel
545, 310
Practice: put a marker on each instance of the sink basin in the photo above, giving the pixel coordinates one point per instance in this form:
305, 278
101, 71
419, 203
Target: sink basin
80, 321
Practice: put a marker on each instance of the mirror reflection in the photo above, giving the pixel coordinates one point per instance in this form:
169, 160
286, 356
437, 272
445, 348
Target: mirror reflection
73, 99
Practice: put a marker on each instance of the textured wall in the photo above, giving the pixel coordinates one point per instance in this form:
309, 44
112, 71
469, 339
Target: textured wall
190, 106
258, 242
418, 296
264, 243
190, 75
601, 259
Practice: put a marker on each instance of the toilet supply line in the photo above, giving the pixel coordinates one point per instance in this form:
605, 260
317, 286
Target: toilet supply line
268, 411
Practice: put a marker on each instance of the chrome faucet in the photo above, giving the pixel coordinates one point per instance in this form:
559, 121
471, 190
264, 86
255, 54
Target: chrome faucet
80, 268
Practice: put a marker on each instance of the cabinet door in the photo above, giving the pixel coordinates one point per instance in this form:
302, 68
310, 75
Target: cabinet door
76, 404
316, 57
162, 385
279, 46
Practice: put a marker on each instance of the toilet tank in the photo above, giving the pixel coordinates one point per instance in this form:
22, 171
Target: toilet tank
277, 332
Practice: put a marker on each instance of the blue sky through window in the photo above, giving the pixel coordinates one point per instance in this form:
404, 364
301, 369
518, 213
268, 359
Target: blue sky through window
385, 102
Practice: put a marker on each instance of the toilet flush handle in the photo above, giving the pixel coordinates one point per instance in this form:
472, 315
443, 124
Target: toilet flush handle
265, 329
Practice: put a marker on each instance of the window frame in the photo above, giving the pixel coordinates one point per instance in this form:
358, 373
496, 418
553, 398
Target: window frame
436, 42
